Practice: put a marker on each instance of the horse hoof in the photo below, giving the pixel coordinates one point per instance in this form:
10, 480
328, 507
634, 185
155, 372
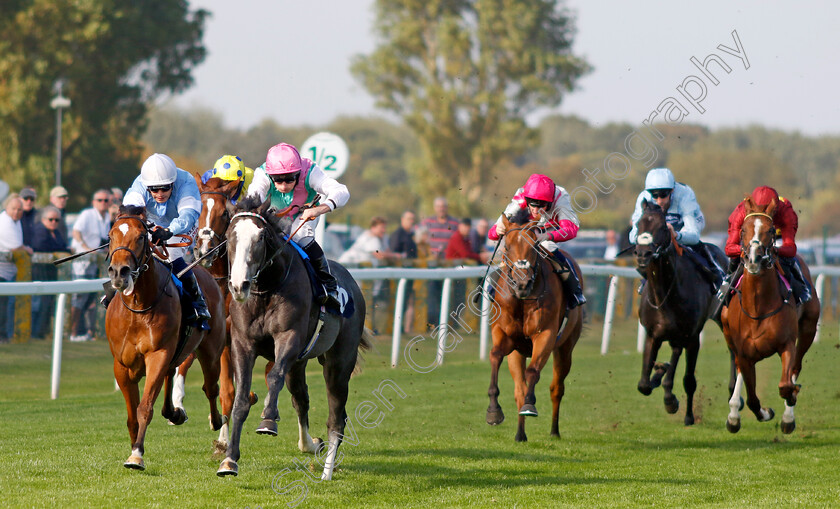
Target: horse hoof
521, 437
733, 427
659, 370
645, 389
135, 463
770, 415
228, 467
528, 410
267, 427
178, 417
253, 398
215, 424
788, 427
495, 417
689, 420
672, 404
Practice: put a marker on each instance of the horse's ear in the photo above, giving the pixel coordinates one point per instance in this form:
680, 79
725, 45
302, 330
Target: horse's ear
645, 204
771, 208
230, 187
749, 205
198, 179
505, 221
265, 205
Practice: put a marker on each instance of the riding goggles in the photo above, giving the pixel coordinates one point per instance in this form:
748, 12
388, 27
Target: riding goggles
285, 178
660, 193
539, 204
159, 189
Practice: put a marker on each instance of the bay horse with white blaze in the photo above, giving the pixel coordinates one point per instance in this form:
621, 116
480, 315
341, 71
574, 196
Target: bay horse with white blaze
762, 320
674, 306
146, 332
532, 311
274, 315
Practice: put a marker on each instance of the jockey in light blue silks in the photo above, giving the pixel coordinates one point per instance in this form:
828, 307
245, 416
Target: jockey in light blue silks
287, 179
682, 213
173, 202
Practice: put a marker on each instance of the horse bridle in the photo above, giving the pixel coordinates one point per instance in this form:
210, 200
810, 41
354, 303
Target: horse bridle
207, 232
525, 264
267, 261
661, 250
767, 260
142, 266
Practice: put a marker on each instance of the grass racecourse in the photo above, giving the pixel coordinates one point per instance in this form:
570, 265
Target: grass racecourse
432, 448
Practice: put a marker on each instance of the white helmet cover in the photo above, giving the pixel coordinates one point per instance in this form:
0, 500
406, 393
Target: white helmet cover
158, 170
659, 178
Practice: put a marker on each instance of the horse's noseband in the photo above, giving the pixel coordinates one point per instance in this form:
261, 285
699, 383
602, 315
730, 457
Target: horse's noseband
140, 266
267, 260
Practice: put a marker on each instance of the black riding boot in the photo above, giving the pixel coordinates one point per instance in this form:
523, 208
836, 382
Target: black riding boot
724, 294
197, 297
717, 270
793, 273
570, 281
110, 292
322, 270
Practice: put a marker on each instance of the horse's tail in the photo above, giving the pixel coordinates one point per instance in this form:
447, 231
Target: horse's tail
365, 343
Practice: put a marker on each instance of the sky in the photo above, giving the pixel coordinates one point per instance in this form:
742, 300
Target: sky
289, 61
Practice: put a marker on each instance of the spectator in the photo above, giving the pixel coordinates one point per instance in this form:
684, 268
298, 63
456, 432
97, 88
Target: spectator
58, 199
402, 243
478, 237
458, 247
611, 252
89, 231
369, 246
11, 240
47, 239
421, 239
116, 196
27, 221
440, 228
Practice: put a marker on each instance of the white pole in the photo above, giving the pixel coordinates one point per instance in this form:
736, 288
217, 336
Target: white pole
609, 314
641, 335
57, 338
484, 335
398, 319
444, 315
820, 286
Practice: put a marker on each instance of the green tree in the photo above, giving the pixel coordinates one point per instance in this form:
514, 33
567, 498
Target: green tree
463, 74
116, 58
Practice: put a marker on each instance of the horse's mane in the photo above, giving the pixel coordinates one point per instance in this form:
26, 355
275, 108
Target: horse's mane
132, 210
253, 203
522, 216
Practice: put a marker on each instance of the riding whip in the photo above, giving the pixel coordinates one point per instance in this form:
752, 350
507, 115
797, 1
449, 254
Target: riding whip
77, 255
198, 260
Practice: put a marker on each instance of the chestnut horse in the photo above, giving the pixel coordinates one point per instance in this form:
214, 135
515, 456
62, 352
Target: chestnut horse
532, 309
674, 307
145, 326
274, 315
762, 320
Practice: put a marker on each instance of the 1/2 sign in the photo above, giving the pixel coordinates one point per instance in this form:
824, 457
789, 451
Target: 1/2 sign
328, 151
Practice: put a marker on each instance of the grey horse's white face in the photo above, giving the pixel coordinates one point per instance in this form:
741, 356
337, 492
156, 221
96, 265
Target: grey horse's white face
245, 256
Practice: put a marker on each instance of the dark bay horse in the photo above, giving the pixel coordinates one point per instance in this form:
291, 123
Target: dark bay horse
674, 307
530, 324
273, 314
762, 320
144, 325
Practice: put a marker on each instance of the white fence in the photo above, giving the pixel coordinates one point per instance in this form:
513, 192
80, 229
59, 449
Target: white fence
402, 275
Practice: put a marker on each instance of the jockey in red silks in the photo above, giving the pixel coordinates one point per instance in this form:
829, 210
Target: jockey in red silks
552, 205
786, 222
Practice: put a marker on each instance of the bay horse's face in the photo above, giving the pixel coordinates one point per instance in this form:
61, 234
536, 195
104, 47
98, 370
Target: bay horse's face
248, 250
653, 237
758, 237
521, 257
214, 218
129, 252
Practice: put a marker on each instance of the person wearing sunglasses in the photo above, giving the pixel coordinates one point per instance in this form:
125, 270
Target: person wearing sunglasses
551, 206
684, 218
289, 180
47, 238
231, 168
173, 202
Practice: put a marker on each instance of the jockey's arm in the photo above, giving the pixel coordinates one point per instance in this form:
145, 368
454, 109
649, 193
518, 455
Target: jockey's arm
189, 208
335, 194
637, 214
788, 222
733, 241
563, 219
692, 217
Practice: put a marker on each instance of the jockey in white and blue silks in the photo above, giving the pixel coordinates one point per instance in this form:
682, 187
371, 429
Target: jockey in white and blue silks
682, 213
173, 202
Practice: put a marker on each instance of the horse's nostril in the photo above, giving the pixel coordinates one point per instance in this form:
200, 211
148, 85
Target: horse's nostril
124, 272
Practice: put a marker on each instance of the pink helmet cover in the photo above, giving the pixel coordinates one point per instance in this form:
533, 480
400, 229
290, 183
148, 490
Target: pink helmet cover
539, 187
284, 158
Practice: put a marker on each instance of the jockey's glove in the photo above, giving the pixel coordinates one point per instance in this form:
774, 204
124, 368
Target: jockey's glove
542, 237
161, 235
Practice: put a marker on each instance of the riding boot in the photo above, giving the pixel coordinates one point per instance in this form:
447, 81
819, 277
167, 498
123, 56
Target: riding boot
570, 281
724, 294
194, 291
322, 270
793, 273
717, 270
110, 292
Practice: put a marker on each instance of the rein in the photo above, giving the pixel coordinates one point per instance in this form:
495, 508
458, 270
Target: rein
142, 266
266, 262
533, 278
772, 264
